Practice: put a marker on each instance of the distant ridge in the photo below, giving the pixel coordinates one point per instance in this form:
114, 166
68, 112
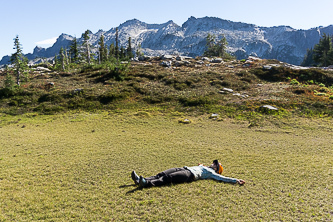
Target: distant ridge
282, 43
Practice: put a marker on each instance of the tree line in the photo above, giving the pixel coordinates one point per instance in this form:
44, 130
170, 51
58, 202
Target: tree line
77, 54
321, 54
82, 53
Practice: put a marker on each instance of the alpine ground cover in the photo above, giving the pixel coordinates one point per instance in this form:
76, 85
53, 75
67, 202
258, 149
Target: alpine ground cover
76, 167
191, 87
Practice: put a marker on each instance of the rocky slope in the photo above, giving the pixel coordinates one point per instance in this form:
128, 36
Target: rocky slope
283, 43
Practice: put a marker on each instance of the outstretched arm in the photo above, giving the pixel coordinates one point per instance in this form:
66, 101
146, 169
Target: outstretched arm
219, 177
241, 182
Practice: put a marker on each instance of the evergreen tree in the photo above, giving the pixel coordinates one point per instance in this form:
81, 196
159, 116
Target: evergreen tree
210, 42
9, 82
216, 47
117, 44
138, 52
322, 52
308, 58
18, 60
55, 60
112, 51
330, 56
86, 46
102, 51
66, 57
62, 59
222, 46
122, 53
129, 49
74, 51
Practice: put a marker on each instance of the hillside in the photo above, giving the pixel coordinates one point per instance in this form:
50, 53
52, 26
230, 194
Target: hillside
282, 43
235, 89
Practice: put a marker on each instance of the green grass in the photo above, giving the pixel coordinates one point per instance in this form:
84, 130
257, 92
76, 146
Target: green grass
76, 167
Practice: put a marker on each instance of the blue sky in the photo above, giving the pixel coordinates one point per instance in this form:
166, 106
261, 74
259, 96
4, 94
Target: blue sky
40, 22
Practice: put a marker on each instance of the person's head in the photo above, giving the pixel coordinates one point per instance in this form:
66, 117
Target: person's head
217, 167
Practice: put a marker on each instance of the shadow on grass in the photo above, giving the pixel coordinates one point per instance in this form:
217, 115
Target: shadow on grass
130, 191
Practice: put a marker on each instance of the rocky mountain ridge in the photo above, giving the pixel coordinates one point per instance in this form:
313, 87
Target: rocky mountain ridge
282, 43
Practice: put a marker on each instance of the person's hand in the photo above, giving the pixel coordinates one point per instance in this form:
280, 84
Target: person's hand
241, 182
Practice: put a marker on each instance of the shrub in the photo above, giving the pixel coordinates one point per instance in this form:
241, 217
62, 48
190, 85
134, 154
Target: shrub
310, 82
324, 90
294, 82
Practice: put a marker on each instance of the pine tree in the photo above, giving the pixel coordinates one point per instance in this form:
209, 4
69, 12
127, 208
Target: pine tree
210, 42
55, 60
86, 46
214, 47
18, 60
112, 51
102, 51
138, 52
117, 44
66, 56
308, 58
322, 52
122, 53
74, 51
222, 46
9, 82
129, 49
62, 59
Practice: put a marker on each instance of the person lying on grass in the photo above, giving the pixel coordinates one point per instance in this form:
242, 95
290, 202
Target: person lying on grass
185, 174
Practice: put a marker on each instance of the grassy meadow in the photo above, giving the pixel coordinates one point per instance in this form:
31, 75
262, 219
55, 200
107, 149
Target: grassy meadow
76, 167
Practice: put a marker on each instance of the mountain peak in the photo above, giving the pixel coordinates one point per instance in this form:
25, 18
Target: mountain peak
132, 22
283, 43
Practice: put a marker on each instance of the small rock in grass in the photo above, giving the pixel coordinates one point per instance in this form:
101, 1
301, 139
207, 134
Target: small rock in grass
184, 121
228, 90
269, 107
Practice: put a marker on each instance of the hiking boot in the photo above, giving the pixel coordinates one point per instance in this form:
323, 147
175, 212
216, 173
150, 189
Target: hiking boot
142, 182
135, 177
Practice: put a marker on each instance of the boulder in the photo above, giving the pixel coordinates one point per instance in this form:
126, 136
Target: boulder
228, 90
179, 58
167, 57
166, 64
187, 62
179, 63
253, 58
217, 60
214, 116
42, 69
144, 58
